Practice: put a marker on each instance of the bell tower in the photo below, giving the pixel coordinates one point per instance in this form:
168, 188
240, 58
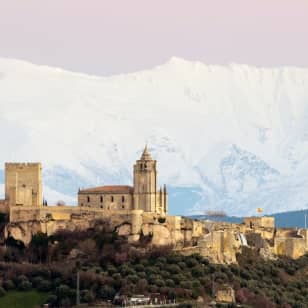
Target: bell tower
145, 183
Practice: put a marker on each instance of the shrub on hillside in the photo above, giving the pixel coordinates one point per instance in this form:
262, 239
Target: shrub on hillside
87, 296
52, 300
2, 292
45, 286
8, 285
24, 285
107, 292
64, 292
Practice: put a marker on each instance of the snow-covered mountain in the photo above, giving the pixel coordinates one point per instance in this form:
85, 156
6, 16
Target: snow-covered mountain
232, 138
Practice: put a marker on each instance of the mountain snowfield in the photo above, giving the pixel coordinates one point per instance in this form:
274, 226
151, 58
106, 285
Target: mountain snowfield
230, 138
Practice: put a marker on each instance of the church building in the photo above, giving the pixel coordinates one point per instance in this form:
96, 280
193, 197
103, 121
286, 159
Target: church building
142, 196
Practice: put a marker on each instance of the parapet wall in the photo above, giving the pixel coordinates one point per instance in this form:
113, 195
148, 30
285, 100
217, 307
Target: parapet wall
23, 214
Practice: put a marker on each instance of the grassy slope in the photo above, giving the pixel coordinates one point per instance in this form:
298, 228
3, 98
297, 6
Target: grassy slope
29, 299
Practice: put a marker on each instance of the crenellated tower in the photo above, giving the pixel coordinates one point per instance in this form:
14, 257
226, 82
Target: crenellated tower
146, 196
23, 184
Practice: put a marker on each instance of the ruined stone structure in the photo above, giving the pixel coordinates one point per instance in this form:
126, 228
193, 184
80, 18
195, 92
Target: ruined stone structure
261, 221
139, 210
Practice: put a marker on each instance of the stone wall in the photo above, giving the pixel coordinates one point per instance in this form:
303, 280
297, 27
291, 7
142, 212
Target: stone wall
174, 226
19, 213
174, 230
304, 234
220, 246
258, 222
265, 233
290, 247
107, 202
198, 229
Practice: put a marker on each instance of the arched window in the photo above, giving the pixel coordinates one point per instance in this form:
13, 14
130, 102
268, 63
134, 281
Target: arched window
112, 198
102, 206
123, 198
88, 199
102, 199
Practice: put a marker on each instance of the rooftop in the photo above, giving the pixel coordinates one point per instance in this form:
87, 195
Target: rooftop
115, 189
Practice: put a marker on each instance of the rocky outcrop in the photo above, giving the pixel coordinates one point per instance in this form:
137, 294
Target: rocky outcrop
161, 236
124, 229
23, 231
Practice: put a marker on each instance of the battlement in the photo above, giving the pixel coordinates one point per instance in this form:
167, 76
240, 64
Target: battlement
14, 166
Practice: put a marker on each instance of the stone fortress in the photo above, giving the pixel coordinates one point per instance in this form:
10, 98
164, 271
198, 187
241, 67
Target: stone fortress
136, 211
143, 196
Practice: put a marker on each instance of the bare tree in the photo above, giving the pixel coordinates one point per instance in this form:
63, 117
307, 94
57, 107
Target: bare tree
60, 203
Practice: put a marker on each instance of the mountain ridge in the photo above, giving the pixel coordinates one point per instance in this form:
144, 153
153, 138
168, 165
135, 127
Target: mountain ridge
193, 115
171, 61
291, 219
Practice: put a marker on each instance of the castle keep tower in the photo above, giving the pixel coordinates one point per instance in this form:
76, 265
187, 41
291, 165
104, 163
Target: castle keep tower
146, 196
23, 184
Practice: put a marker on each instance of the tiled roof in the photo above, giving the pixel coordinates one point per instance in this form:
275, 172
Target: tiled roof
116, 189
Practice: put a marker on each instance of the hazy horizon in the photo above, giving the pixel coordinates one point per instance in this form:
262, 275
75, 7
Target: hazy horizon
105, 38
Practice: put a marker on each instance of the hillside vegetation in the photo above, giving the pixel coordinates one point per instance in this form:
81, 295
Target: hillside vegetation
109, 265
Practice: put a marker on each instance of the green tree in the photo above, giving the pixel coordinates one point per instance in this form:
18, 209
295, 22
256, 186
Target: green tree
39, 246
